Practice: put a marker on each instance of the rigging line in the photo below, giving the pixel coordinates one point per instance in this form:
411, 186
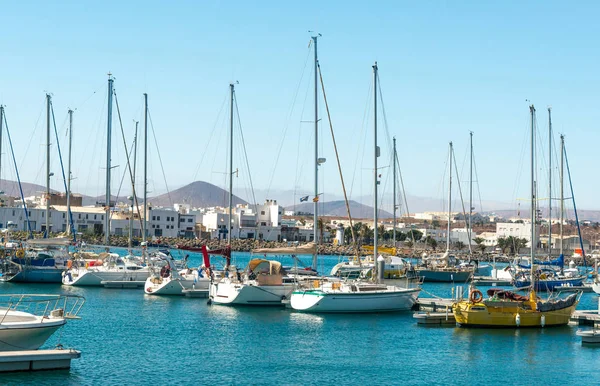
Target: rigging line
299, 166
12, 152
287, 123
337, 159
477, 182
32, 135
160, 158
119, 192
88, 98
575, 209
212, 133
385, 121
360, 143
127, 155
524, 143
463, 203
62, 169
237, 111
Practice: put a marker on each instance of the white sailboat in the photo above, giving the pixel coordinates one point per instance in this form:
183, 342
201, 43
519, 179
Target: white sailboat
357, 296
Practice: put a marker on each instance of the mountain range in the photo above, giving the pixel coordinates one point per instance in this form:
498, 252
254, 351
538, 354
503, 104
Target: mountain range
204, 194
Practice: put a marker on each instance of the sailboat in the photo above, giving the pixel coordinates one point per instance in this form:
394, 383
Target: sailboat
42, 260
357, 296
397, 270
110, 268
171, 280
552, 274
445, 268
507, 309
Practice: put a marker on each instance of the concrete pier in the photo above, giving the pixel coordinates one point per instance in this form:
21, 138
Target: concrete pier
35, 360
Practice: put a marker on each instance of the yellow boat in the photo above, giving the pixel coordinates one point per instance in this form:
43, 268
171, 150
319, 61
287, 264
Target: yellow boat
506, 309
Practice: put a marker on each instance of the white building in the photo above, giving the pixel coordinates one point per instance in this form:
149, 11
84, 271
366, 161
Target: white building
519, 230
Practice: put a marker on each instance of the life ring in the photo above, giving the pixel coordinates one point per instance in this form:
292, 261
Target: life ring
476, 296
20, 253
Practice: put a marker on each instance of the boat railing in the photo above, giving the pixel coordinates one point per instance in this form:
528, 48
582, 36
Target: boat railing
43, 305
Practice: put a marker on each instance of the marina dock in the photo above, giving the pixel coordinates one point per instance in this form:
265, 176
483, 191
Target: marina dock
585, 318
35, 360
433, 304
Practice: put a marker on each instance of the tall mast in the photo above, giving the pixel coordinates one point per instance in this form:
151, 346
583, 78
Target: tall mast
133, 183
48, 98
70, 218
375, 155
229, 217
449, 199
394, 193
145, 230
470, 230
562, 192
316, 198
108, 165
532, 254
549, 182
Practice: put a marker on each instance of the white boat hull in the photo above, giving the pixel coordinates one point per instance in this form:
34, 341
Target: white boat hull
320, 301
24, 331
227, 292
175, 286
96, 277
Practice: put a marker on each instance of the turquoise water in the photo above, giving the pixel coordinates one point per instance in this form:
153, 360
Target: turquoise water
130, 338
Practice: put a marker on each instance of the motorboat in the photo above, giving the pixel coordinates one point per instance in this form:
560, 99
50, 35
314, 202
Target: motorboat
27, 321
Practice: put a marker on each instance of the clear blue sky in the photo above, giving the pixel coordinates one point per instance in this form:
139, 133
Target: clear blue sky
446, 68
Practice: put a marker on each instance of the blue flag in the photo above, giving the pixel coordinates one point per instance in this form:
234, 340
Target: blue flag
305, 198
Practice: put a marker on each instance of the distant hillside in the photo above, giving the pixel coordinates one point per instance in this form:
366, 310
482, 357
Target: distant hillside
11, 188
198, 194
338, 209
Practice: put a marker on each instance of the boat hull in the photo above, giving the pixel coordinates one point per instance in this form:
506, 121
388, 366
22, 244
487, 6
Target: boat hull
249, 295
482, 316
449, 276
550, 285
27, 337
45, 275
174, 287
339, 302
95, 278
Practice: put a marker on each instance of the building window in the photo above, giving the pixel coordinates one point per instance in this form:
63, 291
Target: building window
95, 217
264, 224
64, 215
157, 218
43, 213
102, 217
153, 218
181, 220
262, 212
87, 216
190, 220
79, 216
14, 213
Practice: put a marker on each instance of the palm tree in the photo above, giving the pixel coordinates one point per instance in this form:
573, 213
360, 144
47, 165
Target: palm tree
459, 245
502, 244
431, 242
479, 241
